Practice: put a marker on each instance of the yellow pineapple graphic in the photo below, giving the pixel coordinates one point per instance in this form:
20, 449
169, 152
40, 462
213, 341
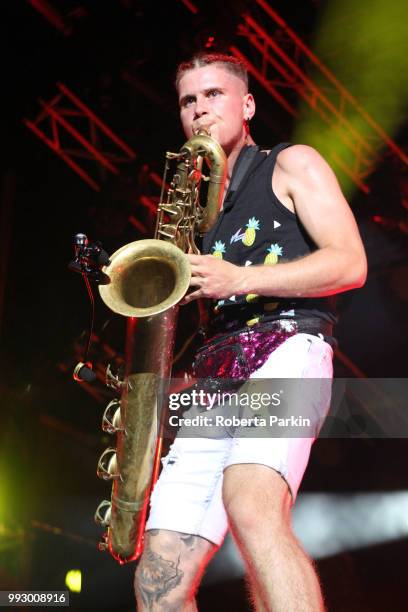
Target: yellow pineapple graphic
219, 249
252, 227
251, 297
253, 321
274, 251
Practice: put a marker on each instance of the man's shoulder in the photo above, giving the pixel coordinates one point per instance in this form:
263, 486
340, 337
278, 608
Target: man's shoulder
299, 157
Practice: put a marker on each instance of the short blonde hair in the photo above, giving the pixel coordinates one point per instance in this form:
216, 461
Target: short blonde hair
228, 62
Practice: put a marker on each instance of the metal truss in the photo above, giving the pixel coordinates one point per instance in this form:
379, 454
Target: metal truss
92, 143
66, 117
284, 62
95, 145
53, 16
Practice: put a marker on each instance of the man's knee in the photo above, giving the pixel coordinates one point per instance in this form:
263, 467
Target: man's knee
256, 498
170, 568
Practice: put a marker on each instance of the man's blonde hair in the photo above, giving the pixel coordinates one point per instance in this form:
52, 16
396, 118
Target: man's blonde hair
228, 62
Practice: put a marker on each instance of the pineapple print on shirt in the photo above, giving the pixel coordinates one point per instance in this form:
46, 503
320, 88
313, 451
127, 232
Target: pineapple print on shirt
250, 233
274, 251
219, 249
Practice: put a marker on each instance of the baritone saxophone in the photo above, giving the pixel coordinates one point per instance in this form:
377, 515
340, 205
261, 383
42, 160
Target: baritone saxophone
148, 278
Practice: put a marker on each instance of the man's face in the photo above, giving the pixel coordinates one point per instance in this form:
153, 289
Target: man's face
213, 98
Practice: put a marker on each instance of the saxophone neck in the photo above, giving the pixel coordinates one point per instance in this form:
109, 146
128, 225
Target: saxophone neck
201, 145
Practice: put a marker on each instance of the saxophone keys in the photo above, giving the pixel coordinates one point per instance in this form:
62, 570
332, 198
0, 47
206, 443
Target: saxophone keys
107, 465
103, 515
111, 420
114, 381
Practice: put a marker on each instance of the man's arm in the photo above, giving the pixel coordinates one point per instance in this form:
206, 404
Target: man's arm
338, 264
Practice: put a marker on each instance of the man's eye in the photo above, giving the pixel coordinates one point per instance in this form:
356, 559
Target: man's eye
188, 101
213, 93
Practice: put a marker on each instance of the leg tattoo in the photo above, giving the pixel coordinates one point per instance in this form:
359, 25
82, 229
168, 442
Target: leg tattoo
170, 568
157, 577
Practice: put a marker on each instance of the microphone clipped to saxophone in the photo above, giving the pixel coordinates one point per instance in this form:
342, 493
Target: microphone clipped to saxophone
148, 279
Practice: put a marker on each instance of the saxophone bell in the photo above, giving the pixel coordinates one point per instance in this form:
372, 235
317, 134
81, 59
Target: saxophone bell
147, 277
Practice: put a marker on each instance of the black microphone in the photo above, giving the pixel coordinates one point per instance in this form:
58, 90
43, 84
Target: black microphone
80, 241
99, 255
89, 259
79, 263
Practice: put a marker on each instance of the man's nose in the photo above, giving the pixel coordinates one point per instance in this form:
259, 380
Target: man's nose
200, 108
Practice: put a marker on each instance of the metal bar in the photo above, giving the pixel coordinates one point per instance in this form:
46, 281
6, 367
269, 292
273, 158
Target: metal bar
191, 7
268, 86
51, 15
364, 188
136, 223
155, 178
63, 156
148, 203
104, 128
44, 114
55, 133
83, 154
358, 373
98, 156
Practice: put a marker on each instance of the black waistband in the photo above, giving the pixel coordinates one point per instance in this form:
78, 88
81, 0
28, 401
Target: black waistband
314, 326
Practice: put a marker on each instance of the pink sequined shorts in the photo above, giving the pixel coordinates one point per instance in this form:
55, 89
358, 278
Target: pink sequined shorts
188, 495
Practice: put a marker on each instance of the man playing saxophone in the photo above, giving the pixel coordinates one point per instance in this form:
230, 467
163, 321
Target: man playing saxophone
285, 243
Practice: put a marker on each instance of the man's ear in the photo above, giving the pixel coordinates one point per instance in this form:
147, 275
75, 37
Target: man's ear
249, 106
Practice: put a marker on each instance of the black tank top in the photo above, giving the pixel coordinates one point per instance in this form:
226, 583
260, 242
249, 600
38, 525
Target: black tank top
254, 227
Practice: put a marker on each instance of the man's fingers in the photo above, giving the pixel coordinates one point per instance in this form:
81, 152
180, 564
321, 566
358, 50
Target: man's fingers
189, 297
196, 281
194, 259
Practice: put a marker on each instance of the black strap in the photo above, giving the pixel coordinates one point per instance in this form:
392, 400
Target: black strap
242, 165
241, 171
274, 152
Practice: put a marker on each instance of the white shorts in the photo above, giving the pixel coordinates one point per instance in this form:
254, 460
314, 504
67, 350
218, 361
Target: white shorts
188, 494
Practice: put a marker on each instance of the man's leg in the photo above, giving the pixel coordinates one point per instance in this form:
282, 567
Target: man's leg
258, 501
170, 569
187, 499
256, 497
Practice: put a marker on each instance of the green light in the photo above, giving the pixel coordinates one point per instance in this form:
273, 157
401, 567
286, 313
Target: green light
365, 45
73, 580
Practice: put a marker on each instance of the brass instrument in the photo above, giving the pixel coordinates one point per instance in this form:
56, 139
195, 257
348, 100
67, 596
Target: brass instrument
148, 278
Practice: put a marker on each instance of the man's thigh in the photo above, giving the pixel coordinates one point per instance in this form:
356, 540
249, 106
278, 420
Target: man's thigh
303, 365
187, 498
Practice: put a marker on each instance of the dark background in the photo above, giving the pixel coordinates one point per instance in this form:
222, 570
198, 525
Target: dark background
119, 58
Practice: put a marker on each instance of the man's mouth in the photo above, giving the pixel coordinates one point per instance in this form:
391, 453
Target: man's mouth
202, 126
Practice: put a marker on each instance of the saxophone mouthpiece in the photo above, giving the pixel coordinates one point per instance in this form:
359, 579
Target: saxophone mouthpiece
199, 129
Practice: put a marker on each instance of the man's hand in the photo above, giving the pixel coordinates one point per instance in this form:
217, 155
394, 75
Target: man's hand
213, 278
